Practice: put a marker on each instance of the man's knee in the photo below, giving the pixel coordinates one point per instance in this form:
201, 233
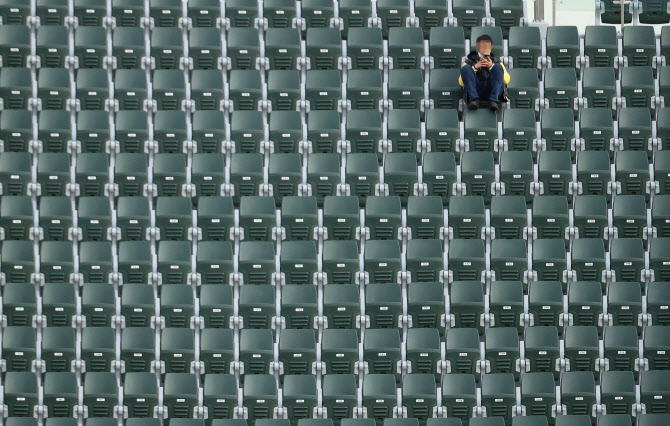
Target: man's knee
496, 69
467, 69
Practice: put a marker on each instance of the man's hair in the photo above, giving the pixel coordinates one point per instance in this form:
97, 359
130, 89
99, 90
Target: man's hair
484, 37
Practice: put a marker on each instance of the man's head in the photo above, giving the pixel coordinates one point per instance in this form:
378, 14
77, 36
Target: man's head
484, 44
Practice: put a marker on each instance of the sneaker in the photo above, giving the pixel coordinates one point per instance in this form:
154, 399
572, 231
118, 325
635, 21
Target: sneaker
473, 104
493, 105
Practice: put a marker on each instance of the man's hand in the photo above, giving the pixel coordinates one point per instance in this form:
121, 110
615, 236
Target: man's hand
484, 63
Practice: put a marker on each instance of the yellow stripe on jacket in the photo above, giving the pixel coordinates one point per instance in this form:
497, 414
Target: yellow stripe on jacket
506, 77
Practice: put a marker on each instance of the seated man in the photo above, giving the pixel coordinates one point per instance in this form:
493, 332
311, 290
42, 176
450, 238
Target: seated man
483, 75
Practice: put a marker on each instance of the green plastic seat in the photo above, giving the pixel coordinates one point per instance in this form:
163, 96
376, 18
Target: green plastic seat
405, 89
562, 46
339, 396
299, 218
208, 131
519, 132
98, 304
285, 132
282, 48
128, 41
550, 217
247, 131
462, 350
133, 217
323, 92
15, 126
593, 173
525, 46
169, 88
442, 131
205, 49
207, 89
180, 395
204, 13
207, 174
599, 88
134, 261
21, 393
317, 13
560, 88
59, 304
242, 14
558, 129
174, 261
658, 258
300, 398
283, 90
635, 130
18, 264
323, 175
131, 174
419, 396
340, 261
600, 46
177, 349
56, 261
506, 304
538, 396
341, 306
404, 132
516, 174
214, 262
256, 351
55, 214
92, 174
659, 215
555, 173
16, 217
93, 131
100, 394
95, 261
298, 262
131, 93
257, 218
341, 217
393, 13
216, 305
140, 394
405, 47
219, 395
423, 351
364, 130
549, 260
508, 260
653, 391
243, 48
639, 46
379, 396
54, 132
354, 14
364, 90
637, 87
466, 217
382, 261
323, 127
523, 89
176, 303
137, 305
256, 261
655, 344
364, 47
52, 40
585, 304
590, 216
542, 350
469, 14
467, 260
459, 397
617, 392
477, 174
662, 172
632, 173
401, 175
545, 303
137, 349
14, 12
169, 174
256, 306
431, 14
297, 351
498, 396
508, 216
60, 393
581, 348
90, 45
446, 46
53, 88
165, 13
466, 306
58, 349
620, 345
362, 175
578, 393
501, 352
383, 217
629, 213
16, 90
424, 217
259, 396
19, 352
424, 260
383, 306
339, 351
323, 49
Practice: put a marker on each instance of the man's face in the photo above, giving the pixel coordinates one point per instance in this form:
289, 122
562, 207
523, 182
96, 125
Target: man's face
484, 47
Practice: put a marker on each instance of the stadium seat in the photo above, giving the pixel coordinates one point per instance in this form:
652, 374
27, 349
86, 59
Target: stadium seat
219, 395
259, 396
91, 46
15, 126
92, 174
340, 261
590, 216
523, 89
282, 47
204, 13
131, 93
166, 47
298, 262
21, 393
545, 303
59, 304
418, 396
632, 173
93, 131
284, 175
362, 175
467, 259
95, 261
554, 172
477, 174
469, 14
341, 217
297, 352
405, 89
364, 47
169, 89
169, 174
635, 130
15, 172
379, 396
180, 395
599, 88
462, 351
424, 260
629, 216
593, 173
177, 306
405, 47
525, 47
256, 306
562, 46
98, 349
549, 260
578, 393
542, 350
128, 41
508, 217
506, 304
18, 343
56, 261
207, 174
137, 349
54, 133
558, 130
560, 88
204, 47
207, 89
61, 392
637, 87
100, 394
323, 175
257, 219
662, 172
423, 351
481, 130
617, 392
425, 217
658, 259
15, 89
137, 305
174, 261
459, 396
58, 349
498, 395
502, 352
339, 396
519, 132
165, 13
466, 305
538, 395
18, 265
216, 305
655, 343
299, 396
339, 351
134, 261
653, 390
52, 43
14, 12
439, 174
341, 306
620, 348
53, 88
444, 91
55, 218
383, 217
16, 217
140, 394
401, 175
508, 260
98, 304
585, 305
383, 306
256, 261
